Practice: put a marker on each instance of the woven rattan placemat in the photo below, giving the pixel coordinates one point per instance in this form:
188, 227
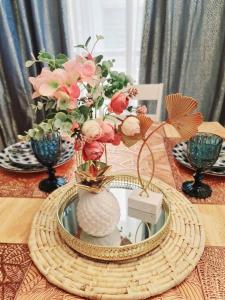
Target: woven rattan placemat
159, 270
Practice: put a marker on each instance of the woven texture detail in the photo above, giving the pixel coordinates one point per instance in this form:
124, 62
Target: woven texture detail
139, 278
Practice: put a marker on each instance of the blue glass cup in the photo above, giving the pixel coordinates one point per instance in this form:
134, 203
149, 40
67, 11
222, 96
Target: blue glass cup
203, 150
47, 151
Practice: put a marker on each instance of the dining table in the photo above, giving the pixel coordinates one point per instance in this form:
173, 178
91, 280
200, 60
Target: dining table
20, 200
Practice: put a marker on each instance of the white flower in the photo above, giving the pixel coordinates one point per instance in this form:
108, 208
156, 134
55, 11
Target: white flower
130, 126
92, 130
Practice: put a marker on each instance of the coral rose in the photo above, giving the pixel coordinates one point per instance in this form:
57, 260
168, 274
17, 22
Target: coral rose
108, 133
117, 139
131, 126
93, 150
119, 103
92, 130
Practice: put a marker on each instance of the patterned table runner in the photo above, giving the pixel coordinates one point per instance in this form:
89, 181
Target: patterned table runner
181, 174
20, 279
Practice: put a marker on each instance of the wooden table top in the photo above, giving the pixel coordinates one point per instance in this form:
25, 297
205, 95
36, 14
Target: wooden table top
17, 212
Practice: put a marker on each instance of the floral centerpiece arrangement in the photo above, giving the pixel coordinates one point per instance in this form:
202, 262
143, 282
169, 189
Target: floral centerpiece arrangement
72, 94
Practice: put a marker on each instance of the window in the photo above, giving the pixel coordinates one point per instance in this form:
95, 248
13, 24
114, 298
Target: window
119, 21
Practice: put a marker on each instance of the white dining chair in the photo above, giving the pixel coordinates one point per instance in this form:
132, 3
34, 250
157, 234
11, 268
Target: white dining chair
151, 96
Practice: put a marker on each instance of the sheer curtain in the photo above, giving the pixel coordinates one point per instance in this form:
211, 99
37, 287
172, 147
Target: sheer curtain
119, 21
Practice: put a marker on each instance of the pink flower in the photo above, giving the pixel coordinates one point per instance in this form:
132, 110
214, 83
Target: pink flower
78, 144
119, 103
117, 139
74, 126
141, 109
84, 68
108, 132
89, 56
93, 150
48, 82
72, 91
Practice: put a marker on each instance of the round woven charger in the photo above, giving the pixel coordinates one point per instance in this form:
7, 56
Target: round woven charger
139, 278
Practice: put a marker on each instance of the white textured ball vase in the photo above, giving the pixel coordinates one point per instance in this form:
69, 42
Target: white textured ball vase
97, 214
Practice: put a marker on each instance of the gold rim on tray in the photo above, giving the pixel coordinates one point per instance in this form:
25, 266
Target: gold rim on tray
113, 253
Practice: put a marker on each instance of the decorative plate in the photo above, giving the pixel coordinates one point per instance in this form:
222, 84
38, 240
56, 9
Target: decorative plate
180, 154
19, 157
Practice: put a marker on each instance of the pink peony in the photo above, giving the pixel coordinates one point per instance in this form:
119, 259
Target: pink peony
93, 150
119, 103
108, 132
141, 109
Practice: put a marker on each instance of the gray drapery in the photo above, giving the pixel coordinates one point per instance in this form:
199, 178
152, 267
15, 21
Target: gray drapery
26, 26
183, 47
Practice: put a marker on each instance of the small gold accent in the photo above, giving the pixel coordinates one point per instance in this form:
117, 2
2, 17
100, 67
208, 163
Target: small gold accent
92, 176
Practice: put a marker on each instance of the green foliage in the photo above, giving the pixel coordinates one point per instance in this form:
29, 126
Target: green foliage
99, 102
98, 58
87, 41
47, 58
85, 111
115, 82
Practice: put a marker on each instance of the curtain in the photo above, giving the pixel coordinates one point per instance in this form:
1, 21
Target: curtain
183, 46
27, 26
119, 21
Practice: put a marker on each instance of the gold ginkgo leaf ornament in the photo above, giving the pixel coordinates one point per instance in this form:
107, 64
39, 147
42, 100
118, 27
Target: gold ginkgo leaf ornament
182, 115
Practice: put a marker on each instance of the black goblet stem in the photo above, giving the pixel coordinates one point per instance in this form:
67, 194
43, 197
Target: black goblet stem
198, 176
51, 173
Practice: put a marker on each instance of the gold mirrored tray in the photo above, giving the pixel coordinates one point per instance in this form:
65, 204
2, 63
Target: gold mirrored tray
131, 238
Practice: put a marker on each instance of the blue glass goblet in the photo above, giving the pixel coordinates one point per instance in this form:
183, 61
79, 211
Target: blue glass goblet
47, 151
202, 151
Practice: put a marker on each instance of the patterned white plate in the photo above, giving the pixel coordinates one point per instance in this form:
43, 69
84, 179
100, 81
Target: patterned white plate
20, 158
180, 154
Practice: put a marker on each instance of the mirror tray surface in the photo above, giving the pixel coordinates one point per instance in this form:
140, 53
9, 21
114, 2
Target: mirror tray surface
131, 238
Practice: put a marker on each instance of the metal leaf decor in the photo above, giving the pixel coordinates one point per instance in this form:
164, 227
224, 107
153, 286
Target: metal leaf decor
182, 116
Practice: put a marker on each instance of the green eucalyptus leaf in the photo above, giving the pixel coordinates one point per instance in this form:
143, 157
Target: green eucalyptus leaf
44, 55
50, 105
61, 116
79, 46
87, 41
40, 105
29, 63
99, 37
61, 56
34, 107
99, 102
98, 59
84, 110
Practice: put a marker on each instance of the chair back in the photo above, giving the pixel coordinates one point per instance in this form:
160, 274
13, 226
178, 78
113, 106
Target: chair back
151, 96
